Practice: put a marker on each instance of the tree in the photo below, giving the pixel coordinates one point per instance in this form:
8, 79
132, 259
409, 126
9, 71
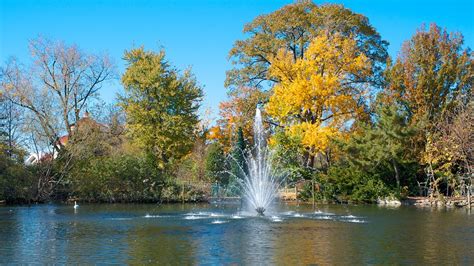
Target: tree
192, 167
17, 183
318, 94
238, 161
386, 142
58, 87
4, 136
216, 170
237, 112
160, 104
292, 28
12, 120
449, 153
432, 70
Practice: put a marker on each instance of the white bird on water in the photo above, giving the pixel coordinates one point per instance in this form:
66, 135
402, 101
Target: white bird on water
75, 205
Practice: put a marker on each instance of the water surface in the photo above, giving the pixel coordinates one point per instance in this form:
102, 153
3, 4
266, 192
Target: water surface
221, 234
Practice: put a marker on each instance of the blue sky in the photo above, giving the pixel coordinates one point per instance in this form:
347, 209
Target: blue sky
195, 33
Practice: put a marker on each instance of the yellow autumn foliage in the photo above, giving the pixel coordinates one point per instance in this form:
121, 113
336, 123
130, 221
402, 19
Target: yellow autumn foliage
317, 95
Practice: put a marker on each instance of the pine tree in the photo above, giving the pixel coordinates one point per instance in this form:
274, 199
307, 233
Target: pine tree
386, 142
238, 163
216, 170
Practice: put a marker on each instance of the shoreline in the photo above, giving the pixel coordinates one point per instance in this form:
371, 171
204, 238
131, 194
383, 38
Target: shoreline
448, 202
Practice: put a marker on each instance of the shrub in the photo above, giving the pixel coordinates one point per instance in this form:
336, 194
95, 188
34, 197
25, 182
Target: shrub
348, 184
116, 178
16, 181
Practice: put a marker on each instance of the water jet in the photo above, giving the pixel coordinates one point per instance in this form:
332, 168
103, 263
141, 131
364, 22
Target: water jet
260, 184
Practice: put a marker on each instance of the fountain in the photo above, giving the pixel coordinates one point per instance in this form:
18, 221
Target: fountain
260, 184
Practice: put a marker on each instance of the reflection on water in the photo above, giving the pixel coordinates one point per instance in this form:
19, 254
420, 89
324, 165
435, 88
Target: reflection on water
211, 234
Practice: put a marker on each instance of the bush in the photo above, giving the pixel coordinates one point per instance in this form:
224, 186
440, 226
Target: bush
350, 184
16, 180
116, 178
173, 192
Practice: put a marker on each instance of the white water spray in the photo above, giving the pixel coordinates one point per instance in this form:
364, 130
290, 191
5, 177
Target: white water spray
260, 185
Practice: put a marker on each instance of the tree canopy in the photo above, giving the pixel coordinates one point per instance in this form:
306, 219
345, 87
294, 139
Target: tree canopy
318, 93
431, 73
292, 28
161, 105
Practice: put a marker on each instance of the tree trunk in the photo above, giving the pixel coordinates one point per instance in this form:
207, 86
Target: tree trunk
311, 161
397, 172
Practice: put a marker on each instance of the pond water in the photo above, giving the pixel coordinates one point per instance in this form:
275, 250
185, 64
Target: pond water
220, 234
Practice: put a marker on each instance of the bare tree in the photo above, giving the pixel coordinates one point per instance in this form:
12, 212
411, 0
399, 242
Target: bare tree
61, 82
11, 119
58, 86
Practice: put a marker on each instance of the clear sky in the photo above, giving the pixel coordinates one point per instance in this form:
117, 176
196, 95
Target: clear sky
195, 33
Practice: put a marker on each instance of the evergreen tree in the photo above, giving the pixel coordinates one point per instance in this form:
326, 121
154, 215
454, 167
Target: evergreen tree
239, 164
385, 143
216, 170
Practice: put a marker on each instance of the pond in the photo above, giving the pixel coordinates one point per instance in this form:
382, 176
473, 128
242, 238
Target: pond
220, 234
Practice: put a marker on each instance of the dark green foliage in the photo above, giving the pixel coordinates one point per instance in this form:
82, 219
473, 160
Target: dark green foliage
17, 183
374, 162
288, 158
216, 165
239, 164
383, 147
345, 183
116, 178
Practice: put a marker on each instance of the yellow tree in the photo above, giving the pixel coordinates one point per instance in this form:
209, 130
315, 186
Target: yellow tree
319, 94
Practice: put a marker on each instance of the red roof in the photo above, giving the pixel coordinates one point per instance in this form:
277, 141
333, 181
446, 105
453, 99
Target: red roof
86, 120
64, 139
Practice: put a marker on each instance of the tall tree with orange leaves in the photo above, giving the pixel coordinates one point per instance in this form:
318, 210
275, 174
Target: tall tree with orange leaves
237, 112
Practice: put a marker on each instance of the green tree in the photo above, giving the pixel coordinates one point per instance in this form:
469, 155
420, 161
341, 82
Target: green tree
216, 170
385, 143
161, 105
238, 163
116, 178
17, 183
351, 183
